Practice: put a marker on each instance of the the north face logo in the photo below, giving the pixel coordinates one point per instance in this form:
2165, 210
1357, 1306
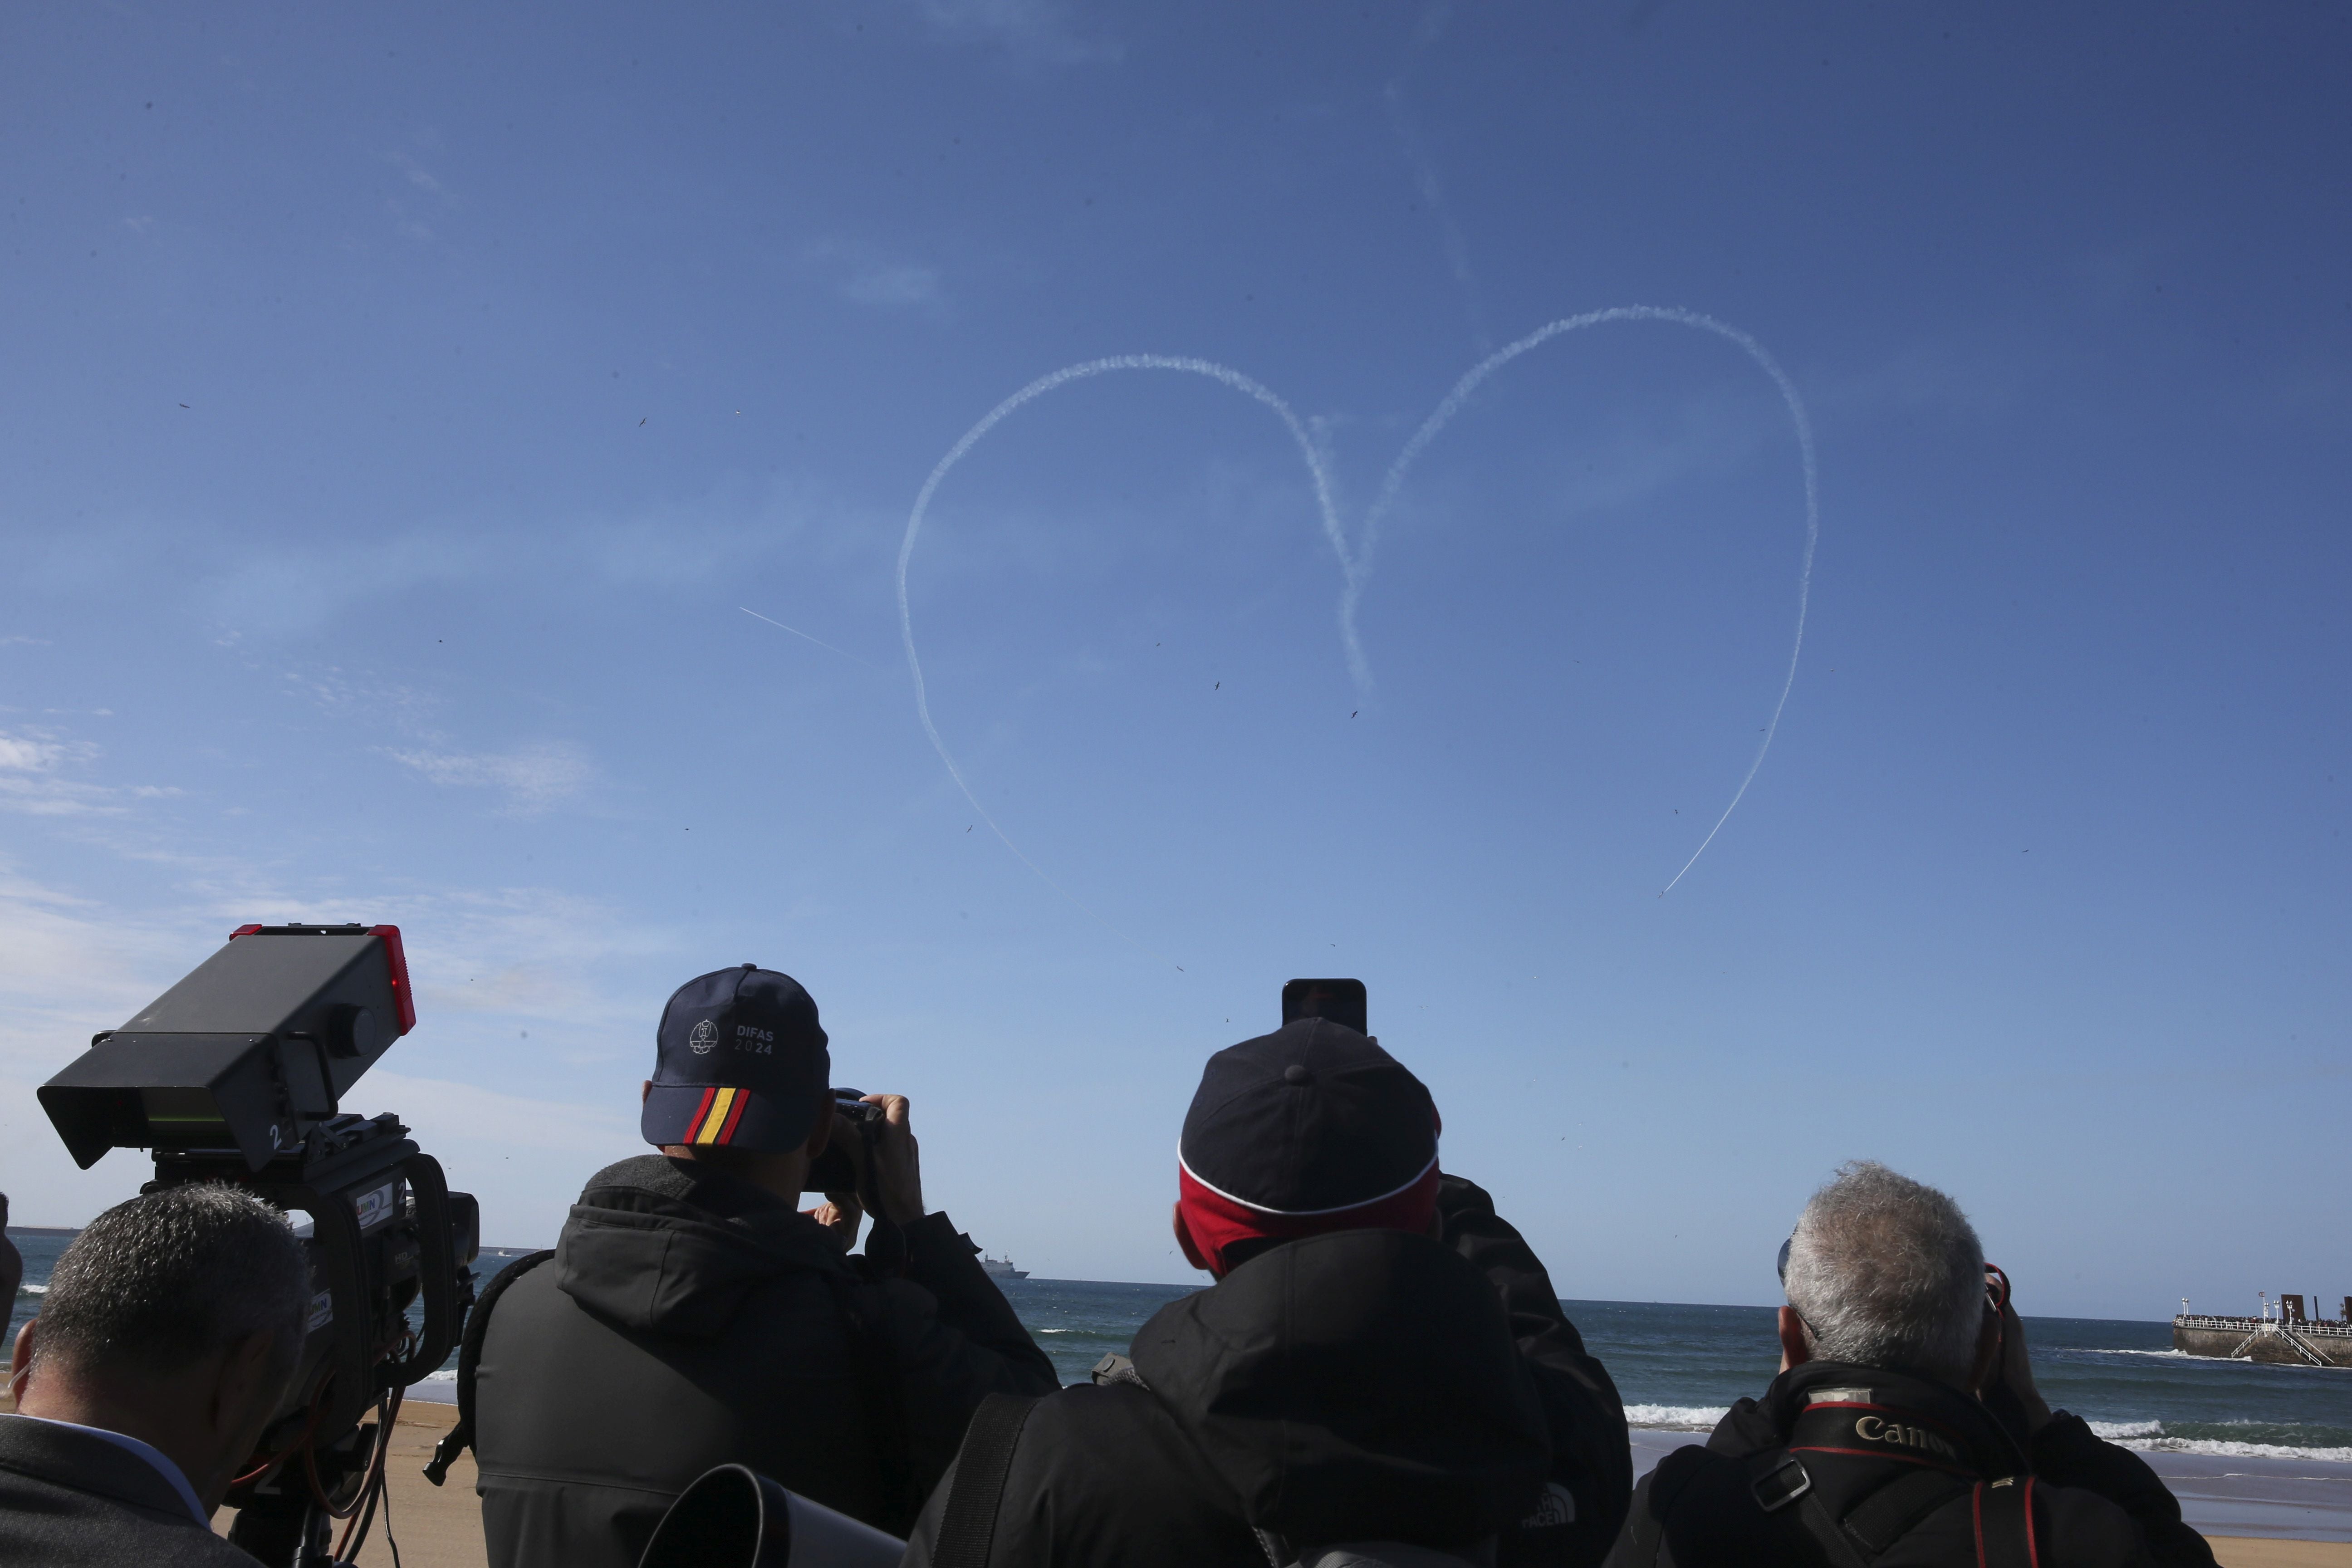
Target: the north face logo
1554, 1509
704, 1036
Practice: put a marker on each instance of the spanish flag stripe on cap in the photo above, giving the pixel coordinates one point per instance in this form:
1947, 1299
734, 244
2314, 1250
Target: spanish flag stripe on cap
706, 1130
696, 1120
743, 1099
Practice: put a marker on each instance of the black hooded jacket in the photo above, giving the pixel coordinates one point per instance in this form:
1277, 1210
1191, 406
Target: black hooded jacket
1893, 1461
1357, 1385
689, 1320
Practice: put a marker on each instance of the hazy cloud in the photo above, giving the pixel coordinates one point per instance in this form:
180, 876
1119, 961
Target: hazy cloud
442, 1114
26, 753
32, 779
901, 285
534, 776
1046, 31
864, 274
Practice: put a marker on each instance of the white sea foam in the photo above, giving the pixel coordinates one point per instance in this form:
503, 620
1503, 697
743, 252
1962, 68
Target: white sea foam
2150, 1436
446, 1374
32, 1290
2223, 1448
1675, 1417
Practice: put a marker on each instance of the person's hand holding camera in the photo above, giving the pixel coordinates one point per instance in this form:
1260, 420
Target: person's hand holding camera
896, 1179
840, 1214
2007, 1386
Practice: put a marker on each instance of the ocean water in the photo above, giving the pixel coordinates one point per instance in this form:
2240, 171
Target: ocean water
1679, 1366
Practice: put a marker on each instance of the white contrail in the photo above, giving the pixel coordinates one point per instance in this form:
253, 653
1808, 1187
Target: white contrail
1457, 249
798, 633
1038, 388
1355, 566
1352, 590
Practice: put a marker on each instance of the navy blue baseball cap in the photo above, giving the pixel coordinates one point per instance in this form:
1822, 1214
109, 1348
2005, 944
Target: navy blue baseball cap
740, 1063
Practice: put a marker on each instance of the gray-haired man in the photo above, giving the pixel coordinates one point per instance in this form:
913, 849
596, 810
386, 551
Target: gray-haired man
1905, 1425
170, 1330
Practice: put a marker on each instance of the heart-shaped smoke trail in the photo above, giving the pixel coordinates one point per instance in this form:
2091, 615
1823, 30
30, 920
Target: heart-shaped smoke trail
1355, 566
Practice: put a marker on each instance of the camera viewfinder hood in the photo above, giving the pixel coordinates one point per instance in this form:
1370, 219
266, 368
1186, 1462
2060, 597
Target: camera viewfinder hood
253, 1049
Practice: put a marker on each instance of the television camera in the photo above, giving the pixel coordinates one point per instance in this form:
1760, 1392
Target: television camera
237, 1074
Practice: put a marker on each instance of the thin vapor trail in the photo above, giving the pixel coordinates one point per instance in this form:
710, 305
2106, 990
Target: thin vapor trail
798, 633
1353, 591
1449, 232
1038, 388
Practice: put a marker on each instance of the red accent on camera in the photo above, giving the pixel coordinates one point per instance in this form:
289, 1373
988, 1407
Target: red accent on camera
243, 931
398, 958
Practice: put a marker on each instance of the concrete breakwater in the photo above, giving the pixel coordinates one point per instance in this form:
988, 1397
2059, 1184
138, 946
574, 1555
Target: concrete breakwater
2289, 1340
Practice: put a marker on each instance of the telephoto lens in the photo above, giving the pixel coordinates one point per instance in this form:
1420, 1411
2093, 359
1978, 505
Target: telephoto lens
733, 1517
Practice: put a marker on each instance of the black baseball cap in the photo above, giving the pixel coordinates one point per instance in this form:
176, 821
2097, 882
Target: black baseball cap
1310, 1119
739, 1062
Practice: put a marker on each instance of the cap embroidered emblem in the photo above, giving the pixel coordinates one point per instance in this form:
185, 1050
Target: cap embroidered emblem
704, 1036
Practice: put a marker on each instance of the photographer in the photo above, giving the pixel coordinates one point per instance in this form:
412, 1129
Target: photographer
171, 1329
1904, 1424
692, 1316
1381, 1372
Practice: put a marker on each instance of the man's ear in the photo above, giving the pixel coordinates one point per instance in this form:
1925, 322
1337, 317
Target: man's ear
821, 1135
20, 1360
250, 1373
1184, 1239
644, 1091
1794, 1349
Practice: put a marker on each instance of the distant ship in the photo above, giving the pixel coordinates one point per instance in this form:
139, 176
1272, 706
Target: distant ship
1001, 1267
2286, 1338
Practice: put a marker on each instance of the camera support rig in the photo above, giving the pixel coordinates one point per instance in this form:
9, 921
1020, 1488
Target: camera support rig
236, 1075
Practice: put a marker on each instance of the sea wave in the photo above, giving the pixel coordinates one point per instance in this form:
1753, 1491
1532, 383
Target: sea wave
2150, 1436
1675, 1417
32, 1290
446, 1374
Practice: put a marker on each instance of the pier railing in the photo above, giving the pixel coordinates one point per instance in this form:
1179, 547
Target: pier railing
2325, 1328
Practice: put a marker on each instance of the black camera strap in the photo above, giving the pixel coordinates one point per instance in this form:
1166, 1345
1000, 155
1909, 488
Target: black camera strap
2004, 1523
461, 1437
968, 1523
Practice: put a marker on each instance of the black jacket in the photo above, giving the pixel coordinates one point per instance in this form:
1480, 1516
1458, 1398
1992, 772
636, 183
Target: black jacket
689, 1320
1860, 1432
74, 1501
1357, 1385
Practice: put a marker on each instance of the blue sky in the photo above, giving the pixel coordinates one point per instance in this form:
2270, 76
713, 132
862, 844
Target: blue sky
405, 409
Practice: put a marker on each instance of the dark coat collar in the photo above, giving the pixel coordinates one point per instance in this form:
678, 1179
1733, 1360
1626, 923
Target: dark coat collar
63, 1457
1808, 1393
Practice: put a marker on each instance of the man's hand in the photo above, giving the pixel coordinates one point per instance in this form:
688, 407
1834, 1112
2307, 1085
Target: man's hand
2015, 1373
896, 1179
840, 1214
